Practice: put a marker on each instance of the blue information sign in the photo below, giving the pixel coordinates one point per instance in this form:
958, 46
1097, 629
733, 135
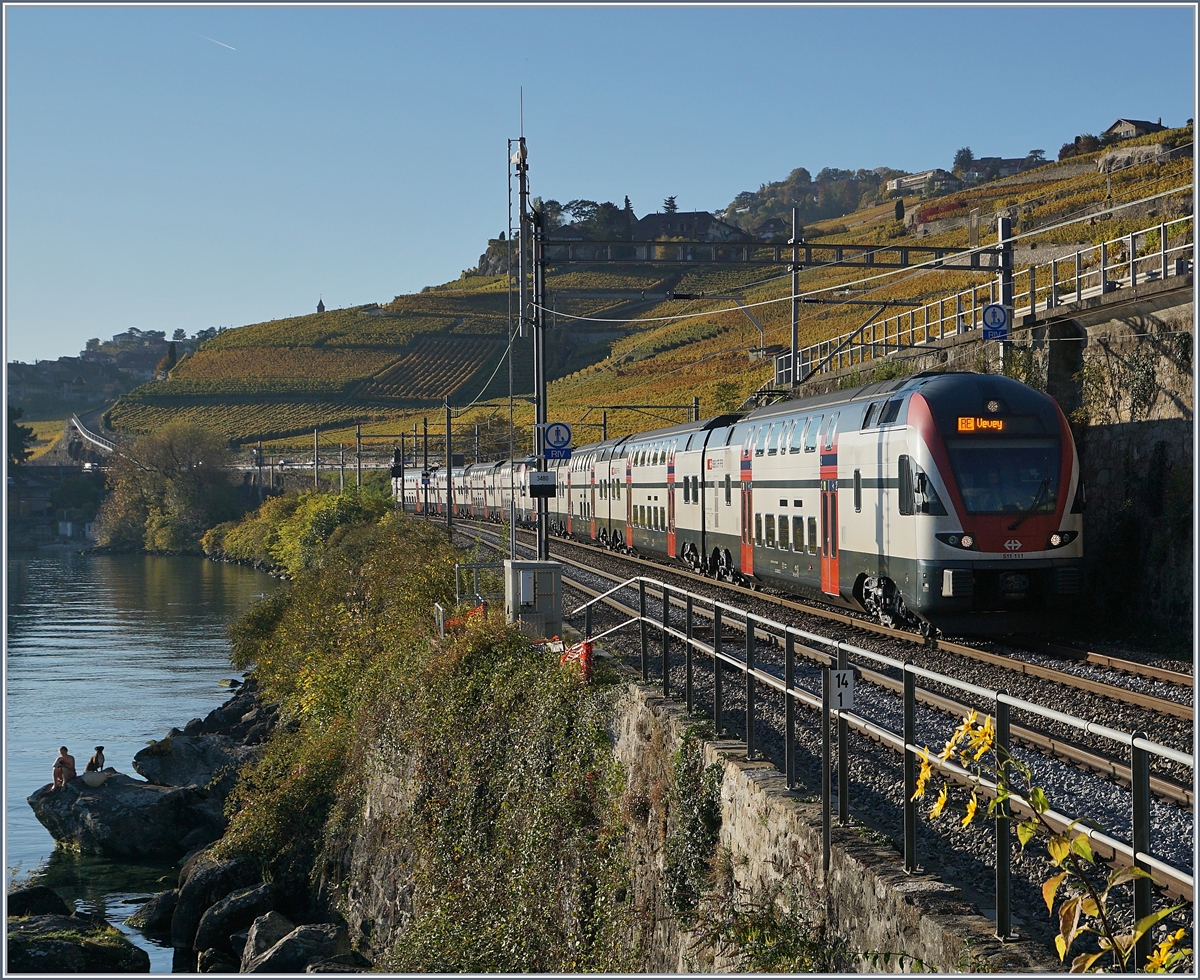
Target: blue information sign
995, 322
558, 436
558, 453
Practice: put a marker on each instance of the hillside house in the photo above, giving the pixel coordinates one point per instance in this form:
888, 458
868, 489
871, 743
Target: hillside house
696, 226
772, 228
999, 167
1127, 129
943, 180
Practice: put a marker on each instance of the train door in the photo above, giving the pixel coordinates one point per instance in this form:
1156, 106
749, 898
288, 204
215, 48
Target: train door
570, 501
747, 495
671, 500
829, 509
629, 499
592, 506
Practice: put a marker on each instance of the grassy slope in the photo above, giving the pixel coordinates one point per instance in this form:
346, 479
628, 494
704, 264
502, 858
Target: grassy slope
390, 366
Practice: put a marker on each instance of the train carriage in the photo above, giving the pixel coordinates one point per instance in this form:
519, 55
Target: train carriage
950, 499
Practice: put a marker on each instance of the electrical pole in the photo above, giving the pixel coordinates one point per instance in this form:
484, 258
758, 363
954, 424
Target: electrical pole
604, 426
449, 473
341, 467
476, 443
316, 458
358, 451
258, 456
539, 376
401, 457
425, 467
795, 366
1004, 236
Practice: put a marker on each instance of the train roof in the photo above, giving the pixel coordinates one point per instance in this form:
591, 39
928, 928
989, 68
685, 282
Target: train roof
967, 379
684, 428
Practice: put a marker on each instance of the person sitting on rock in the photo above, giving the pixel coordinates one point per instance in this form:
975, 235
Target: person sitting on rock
64, 768
96, 762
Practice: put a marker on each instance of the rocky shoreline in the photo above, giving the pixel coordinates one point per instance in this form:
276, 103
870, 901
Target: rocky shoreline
220, 912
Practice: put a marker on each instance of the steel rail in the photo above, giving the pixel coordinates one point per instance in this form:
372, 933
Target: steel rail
1137, 698
1174, 881
1112, 769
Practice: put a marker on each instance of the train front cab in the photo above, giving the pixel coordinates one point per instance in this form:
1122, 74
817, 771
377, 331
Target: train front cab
984, 483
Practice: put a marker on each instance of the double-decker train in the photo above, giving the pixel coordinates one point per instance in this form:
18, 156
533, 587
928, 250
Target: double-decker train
941, 499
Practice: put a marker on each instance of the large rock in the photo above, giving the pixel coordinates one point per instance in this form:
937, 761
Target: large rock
264, 933
301, 946
68, 944
155, 916
208, 761
125, 818
208, 883
214, 961
36, 900
342, 963
235, 911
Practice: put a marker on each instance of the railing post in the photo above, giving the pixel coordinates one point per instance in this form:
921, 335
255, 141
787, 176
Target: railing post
666, 642
1053, 284
1132, 259
642, 624
974, 308
1162, 241
789, 709
687, 680
1032, 290
1078, 277
1142, 895
1103, 268
843, 758
717, 668
826, 788
1003, 840
587, 621
749, 688
910, 770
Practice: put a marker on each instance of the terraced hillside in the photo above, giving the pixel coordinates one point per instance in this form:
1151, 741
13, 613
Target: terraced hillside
391, 365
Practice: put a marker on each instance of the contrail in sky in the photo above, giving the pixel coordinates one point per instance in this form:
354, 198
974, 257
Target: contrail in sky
215, 41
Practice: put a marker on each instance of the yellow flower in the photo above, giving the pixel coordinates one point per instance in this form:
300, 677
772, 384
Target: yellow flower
925, 773
972, 806
940, 805
982, 737
1162, 958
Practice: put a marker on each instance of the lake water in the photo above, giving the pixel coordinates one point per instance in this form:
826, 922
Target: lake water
109, 650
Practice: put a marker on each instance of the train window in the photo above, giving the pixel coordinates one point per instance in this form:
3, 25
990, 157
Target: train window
658, 518
810, 433
890, 413
907, 500
830, 430
687, 490
783, 531
812, 535
798, 533
773, 439
758, 538
797, 436
761, 445
639, 513
696, 489
869, 415
728, 491
770, 530
858, 491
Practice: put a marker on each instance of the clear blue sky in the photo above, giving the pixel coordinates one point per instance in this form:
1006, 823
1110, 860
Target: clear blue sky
159, 179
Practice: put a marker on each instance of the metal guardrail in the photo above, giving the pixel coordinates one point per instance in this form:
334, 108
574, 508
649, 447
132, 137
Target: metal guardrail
481, 598
1138, 852
90, 436
1092, 271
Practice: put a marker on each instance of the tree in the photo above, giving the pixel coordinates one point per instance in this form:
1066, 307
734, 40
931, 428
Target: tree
669, 205
581, 210
963, 158
1086, 143
20, 438
1037, 155
179, 334
168, 490
1066, 151
169, 360
899, 209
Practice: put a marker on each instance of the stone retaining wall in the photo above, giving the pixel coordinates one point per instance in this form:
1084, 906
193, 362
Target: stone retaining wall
774, 837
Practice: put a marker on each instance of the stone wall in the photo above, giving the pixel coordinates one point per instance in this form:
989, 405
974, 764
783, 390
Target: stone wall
774, 838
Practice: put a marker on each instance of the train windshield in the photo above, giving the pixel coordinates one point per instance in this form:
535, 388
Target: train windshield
1006, 476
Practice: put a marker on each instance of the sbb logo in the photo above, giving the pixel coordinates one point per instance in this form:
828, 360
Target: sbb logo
1012, 544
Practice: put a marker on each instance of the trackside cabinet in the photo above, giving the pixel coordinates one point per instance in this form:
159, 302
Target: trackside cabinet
533, 596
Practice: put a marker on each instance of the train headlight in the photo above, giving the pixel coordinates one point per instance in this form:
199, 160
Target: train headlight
957, 539
1060, 538
968, 541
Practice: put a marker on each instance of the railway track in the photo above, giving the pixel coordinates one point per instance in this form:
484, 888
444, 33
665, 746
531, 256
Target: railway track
1112, 769
1116, 692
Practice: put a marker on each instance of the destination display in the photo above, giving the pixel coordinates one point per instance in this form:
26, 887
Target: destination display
972, 424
